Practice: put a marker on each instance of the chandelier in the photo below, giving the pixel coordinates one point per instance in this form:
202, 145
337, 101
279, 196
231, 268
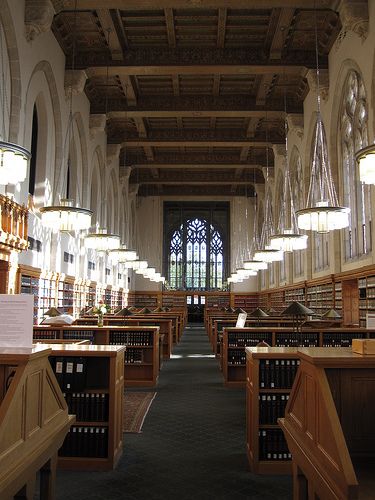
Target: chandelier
287, 238
366, 164
14, 159
102, 241
323, 212
265, 253
66, 216
122, 254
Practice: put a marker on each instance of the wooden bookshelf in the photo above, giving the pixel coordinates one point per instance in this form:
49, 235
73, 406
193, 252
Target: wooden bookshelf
248, 302
270, 374
144, 299
92, 381
235, 340
167, 327
141, 358
330, 429
34, 421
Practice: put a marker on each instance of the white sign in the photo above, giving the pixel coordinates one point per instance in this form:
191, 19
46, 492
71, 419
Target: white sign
241, 320
16, 320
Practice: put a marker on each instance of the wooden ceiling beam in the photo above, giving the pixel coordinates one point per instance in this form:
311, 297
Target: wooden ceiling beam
188, 4
195, 69
128, 90
201, 166
221, 25
186, 182
141, 128
168, 13
251, 128
195, 144
122, 115
109, 29
282, 28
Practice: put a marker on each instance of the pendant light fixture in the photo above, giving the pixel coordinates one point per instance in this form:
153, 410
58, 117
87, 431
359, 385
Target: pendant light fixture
66, 216
122, 254
366, 164
265, 253
14, 159
323, 212
287, 238
102, 240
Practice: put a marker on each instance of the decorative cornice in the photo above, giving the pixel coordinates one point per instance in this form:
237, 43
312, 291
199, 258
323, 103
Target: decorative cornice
133, 189
295, 123
278, 149
354, 17
38, 17
323, 82
113, 152
97, 124
75, 81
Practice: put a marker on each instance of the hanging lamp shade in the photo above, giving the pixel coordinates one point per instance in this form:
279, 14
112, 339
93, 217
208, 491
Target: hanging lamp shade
246, 273
66, 217
323, 218
269, 254
254, 265
102, 241
14, 160
366, 164
288, 241
122, 254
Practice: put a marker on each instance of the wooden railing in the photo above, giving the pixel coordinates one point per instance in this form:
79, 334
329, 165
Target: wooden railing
13, 225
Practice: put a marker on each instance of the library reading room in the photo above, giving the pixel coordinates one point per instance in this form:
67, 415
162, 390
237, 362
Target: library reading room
187, 260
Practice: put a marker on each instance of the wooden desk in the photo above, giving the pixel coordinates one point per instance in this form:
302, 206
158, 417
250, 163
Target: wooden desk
329, 425
34, 421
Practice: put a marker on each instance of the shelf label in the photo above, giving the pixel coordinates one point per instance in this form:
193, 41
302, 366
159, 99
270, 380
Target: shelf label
16, 320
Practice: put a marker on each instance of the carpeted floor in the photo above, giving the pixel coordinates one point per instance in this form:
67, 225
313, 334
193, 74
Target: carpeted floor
136, 407
192, 444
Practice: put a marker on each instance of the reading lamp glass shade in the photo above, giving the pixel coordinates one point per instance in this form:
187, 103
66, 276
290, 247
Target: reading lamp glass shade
52, 312
331, 314
102, 241
258, 313
66, 217
297, 309
366, 164
14, 160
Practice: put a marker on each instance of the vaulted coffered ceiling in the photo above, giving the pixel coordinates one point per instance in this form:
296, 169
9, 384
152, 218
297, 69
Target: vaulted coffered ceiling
193, 91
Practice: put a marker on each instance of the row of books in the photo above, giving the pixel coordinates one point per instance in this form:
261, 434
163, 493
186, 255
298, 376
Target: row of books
131, 338
271, 407
91, 407
79, 335
248, 339
85, 441
45, 334
297, 339
277, 373
236, 357
272, 445
340, 339
133, 356
70, 372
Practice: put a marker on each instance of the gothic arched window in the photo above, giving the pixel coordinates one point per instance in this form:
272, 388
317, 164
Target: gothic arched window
353, 136
196, 256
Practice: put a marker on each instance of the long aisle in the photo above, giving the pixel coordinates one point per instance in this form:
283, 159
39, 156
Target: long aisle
192, 444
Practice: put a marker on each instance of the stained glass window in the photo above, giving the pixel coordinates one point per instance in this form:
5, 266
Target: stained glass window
196, 257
